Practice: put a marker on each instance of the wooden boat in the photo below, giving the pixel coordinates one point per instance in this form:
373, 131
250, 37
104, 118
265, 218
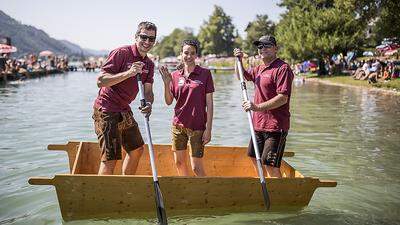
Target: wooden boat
231, 185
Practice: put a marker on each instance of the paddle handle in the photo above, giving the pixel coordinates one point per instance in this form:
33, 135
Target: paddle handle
249, 116
161, 214
147, 128
241, 78
253, 135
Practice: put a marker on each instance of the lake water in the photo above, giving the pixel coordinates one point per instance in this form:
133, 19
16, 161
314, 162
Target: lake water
339, 133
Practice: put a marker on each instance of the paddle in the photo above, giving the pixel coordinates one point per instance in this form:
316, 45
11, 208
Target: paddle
161, 214
253, 137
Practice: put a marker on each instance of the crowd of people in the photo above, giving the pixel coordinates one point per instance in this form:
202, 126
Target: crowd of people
375, 70
371, 70
327, 66
30, 64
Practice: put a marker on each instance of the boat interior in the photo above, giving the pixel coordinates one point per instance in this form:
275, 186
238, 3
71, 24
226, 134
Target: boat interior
219, 161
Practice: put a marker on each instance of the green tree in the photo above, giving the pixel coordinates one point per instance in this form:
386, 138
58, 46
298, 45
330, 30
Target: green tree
255, 29
216, 36
317, 29
238, 42
388, 21
171, 45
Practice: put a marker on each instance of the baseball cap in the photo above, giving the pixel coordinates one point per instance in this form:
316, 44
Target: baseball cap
266, 39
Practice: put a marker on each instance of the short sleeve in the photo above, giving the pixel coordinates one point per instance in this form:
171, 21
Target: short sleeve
114, 62
172, 85
209, 83
284, 80
250, 74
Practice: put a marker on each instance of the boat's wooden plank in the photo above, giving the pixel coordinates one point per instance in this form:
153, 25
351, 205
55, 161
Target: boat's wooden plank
76, 165
87, 159
40, 181
59, 147
84, 196
287, 170
288, 154
327, 183
71, 148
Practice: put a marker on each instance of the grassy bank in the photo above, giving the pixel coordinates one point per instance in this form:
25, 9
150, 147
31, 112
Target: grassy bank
393, 85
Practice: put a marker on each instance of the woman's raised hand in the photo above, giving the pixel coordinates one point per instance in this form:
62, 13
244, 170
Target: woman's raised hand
165, 74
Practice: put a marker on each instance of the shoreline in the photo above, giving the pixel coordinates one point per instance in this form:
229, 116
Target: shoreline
6, 77
371, 89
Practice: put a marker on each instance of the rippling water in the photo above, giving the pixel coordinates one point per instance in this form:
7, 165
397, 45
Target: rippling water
339, 133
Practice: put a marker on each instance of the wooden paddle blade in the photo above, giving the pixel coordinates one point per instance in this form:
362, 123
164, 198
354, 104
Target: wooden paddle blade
161, 214
267, 201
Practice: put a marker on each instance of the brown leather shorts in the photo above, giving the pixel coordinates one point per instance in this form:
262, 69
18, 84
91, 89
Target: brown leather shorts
116, 129
181, 136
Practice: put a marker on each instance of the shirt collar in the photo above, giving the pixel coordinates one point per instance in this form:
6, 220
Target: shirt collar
272, 64
136, 53
196, 71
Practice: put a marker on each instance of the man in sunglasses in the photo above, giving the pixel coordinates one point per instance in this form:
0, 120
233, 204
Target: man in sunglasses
113, 119
273, 81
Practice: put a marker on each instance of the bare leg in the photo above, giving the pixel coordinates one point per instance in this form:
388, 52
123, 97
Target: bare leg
180, 158
197, 166
254, 161
107, 167
131, 161
274, 172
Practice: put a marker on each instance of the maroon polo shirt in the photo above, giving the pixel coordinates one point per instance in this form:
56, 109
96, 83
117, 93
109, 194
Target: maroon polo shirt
118, 97
270, 81
190, 94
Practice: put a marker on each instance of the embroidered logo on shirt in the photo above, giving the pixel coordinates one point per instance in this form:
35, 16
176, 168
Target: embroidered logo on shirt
181, 81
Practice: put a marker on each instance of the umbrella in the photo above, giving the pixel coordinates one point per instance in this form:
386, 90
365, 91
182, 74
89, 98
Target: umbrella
391, 52
46, 53
368, 53
7, 49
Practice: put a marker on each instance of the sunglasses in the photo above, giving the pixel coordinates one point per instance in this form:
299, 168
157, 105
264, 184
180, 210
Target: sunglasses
262, 45
144, 37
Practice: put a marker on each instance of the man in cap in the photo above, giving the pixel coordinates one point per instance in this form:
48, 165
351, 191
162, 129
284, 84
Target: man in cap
113, 119
273, 82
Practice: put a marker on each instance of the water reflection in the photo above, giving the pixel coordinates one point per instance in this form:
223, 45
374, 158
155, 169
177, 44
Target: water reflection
345, 134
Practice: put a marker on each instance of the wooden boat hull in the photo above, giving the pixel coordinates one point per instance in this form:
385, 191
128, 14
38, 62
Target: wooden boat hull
85, 196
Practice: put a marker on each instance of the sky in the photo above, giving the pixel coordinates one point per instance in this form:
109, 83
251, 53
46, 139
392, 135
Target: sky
105, 24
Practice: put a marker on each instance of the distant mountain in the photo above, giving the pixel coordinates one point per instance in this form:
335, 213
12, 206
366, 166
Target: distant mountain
74, 48
29, 39
96, 52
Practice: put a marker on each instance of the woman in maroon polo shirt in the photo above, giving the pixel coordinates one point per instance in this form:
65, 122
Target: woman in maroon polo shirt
192, 87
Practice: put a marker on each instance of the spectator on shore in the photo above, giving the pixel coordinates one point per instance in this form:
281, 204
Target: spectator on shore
375, 72
386, 74
363, 72
367, 67
3, 61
